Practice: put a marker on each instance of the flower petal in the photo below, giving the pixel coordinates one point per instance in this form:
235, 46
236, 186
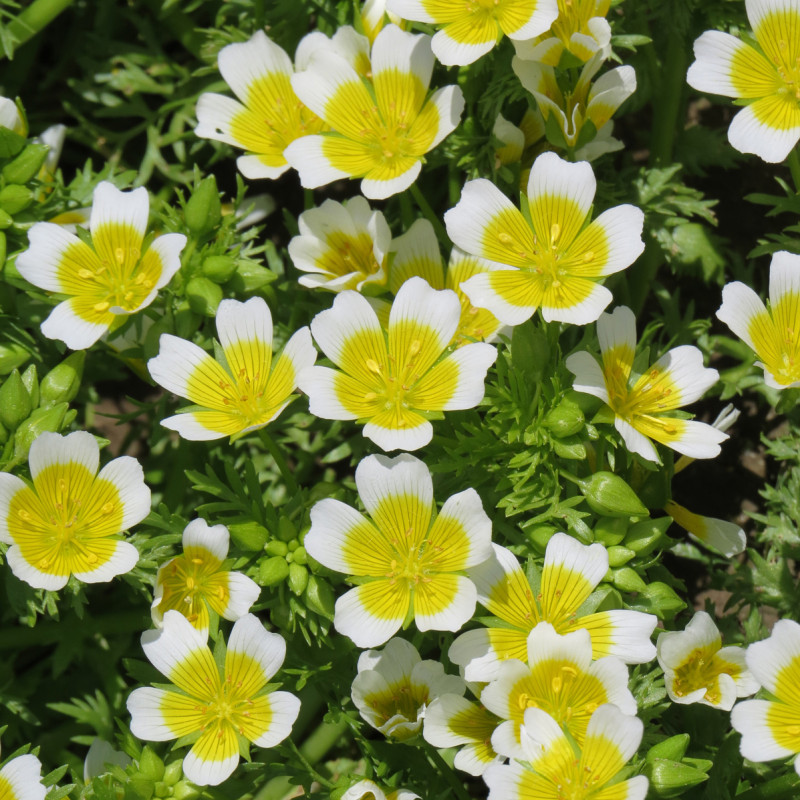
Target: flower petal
372, 613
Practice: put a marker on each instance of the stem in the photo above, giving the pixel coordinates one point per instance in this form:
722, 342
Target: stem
447, 772
793, 162
425, 208
35, 18
280, 461
667, 109
783, 787
311, 771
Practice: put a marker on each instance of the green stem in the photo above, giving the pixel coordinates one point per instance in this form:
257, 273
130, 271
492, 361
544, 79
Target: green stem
784, 787
793, 162
447, 772
35, 18
430, 215
280, 461
321, 779
667, 109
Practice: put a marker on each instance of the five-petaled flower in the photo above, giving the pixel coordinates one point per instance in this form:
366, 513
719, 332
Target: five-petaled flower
554, 261
407, 561
195, 581
766, 80
112, 278
772, 332
245, 393
66, 522
392, 378
643, 411
217, 704
381, 126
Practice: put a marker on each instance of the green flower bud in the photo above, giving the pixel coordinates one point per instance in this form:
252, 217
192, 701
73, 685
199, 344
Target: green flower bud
185, 791
203, 210
319, 597
6, 220
27, 164
293, 544
204, 296
143, 788
219, 268
627, 580
645, 536
30, 380
300, 556
40, 421
173, 772
671, 778
565, 419
272, 571
298, 578
15, 198
15, 402
161, 789
11, 357
249, 536
286, 530
540, 535
249, 277
277, 548
617, 556
659, 599
61, 384
530, 351
150, 765
571, 448
672, 749
610, 530
609, 495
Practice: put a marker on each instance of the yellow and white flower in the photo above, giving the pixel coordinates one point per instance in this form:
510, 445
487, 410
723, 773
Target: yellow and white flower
719, 535
408, 563
698, 669
68, 520
571, 573
21, 779
642, 411
113, 277
11, 118
194, 582
553, 769
771, 728
391, 378
374, 16
346, 42
559, 678
581, 30
556, 260
382, 126
369, 790
218, 705
342, 246
268, 115
249, 390
772, 332
589, 102
394, 687
765, 80
470, 30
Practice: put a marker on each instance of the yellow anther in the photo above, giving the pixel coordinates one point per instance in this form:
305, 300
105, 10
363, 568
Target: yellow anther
505, 238
555, 232
372, 365
588, 256
107, 507
119, 254
84, 273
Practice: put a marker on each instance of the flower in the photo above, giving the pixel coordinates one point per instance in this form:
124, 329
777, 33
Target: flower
581, 30
698, 669
589, 102
553, 261
723, 537
471, 30
392, 378
194, 582
410, 562
342, 246
452, 720
218, 704
100, 756
67, 521
249, 390
379, 137
21, 779
269, 116
554, 770
367, 790
571, 573
642, 412
765, 80
771, 728
393, 688
559, 678
11, 118
113, 277
773, 333
373, 18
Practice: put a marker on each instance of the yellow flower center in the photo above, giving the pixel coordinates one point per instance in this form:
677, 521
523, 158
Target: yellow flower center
788, 66
348, 254
228, 706
247, 396
403, 699
701, 671
394, 381
651, 394
187, 584
574, 16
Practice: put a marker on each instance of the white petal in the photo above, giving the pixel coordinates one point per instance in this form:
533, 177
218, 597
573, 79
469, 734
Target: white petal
451, 52
264, 649
32, 576
215, 114
127, 476
380, 189
457, 613
169, 248
551, 175
379, 478
68, 327
244, 63
349, 316
473, 651
473, 361
22, 776
176, 363
613, 674
712, 69
545, 13
396, 50
123, 560
623, 228
609, 724
167, 648
39, 263
675, 647
438, 714
481, 294
243, 592
470, 759
544, 644
497, 694
417, 303
749, 135
307, 157
214, 539
410, 9
254, 168
685, 367
209, 773
766, 659
147, 718
617, 329
636, 442
589, 377
630, 640
758, 743
784, 276
407, 439
284, 708
188, 426
244, 322
331, 523
466, 510
48, 449
10, 485
699, 440
449, 102
352, 619
588, 310
564, 552
740, 306
110, 206
319, 384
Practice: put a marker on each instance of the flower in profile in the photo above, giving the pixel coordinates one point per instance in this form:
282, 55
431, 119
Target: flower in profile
268, 115
552, 768
588, 102
368, 790
643, 411
408, 563
559, 678
698, 669
392, 378
470, 30
554, 261
571, 573
194, 582
100, 757
218, 704
394, 687
723, 537
113, 277
765, 80
249, 390
381, 126
342, 246
772, 332
374, 16
67, 522
21, 779
11, 118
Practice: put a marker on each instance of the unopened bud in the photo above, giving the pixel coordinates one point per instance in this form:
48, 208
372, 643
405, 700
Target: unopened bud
672, 749
250, 276
26, 165
319, 597
61, 384
150, 765
610, 530
627, 579
6, 220
203, 210
617, 556
203, 295
173, 772
609, 495
286, 530
298, 578
645, 536
15, 402
272, 571
30, 380
219, 268
11, 357
40, 421
277, 548
565, 419
249, 536
672, 778
15, 198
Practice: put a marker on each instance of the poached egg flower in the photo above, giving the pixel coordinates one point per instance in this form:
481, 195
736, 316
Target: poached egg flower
21, 779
